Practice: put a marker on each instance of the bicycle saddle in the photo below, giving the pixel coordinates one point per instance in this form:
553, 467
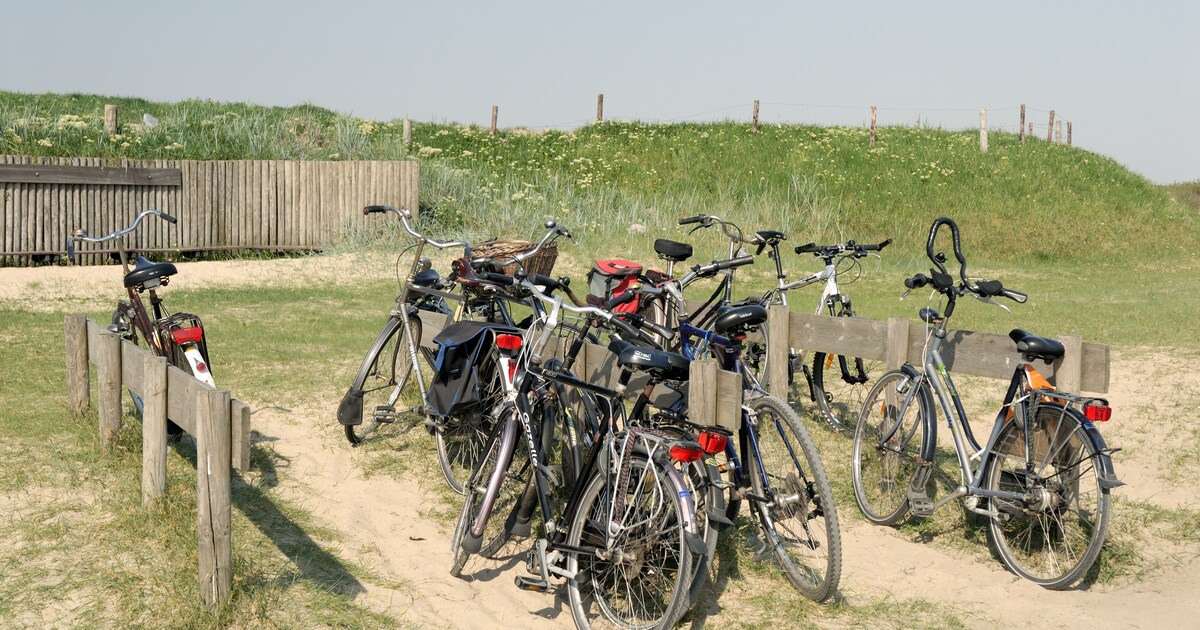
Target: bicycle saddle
426, 278
734, 319
658, 363
1036, 347
672, 250
145, 272
771, 235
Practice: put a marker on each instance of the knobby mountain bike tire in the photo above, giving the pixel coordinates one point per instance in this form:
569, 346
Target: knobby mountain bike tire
799, 519
1055, 541
887, 449
643, 580
840, 384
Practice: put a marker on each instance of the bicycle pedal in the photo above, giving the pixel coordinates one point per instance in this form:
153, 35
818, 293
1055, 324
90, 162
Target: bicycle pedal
921, 506
532, 584
385, 414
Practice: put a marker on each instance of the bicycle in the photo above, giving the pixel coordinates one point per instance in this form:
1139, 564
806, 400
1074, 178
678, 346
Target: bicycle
836, 392
179, 337
387, 368
625, 538
1044, 474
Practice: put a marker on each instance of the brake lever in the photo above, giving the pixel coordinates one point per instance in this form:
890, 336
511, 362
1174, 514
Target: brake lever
988, 300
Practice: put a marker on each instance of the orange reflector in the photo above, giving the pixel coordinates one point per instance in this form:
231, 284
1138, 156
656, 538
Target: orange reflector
1098, 413
187, 335
829, 360
508, 342
686, 452
712, 443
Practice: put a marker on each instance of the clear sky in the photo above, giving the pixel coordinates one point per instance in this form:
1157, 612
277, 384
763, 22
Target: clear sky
1124, 73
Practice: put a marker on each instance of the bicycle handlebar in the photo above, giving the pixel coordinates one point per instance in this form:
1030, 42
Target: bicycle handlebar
81, 234
858, 250
944, 282
405, 215
709, 220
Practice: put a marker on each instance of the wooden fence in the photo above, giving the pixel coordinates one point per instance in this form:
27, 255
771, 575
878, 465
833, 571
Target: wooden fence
221, 205
220, 424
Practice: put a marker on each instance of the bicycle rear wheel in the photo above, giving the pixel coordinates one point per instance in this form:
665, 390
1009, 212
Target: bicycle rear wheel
460, 438
840, 384
887, 449
510, 455
643, 579
1054, 540
799, 519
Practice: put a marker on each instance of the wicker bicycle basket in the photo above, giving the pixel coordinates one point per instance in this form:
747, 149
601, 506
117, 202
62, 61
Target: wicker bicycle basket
505, 248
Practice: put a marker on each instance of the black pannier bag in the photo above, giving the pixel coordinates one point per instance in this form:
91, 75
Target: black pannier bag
460, 370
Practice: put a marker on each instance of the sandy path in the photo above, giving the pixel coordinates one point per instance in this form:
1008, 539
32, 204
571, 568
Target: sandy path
1156, 394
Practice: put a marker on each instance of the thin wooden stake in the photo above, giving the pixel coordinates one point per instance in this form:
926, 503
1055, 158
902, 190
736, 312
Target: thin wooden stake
754, 124
1068, 133
983, 139
407, 133
600, 107
1050, 129
110, 119
495, 113
1021, 127
1030, 130
1058, 132
108, 381
78, 386
874, 110
213, 496
154, 429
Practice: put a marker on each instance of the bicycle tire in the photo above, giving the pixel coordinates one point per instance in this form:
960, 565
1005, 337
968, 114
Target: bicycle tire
1055, 544
799, 521
509, 492
643, 583
381, 378
881, 472
460, 438
840, 384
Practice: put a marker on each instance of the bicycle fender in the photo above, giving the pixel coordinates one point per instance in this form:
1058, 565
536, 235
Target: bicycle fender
926, 396
1106, 475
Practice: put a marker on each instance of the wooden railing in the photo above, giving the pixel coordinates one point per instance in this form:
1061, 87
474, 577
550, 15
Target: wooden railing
219, 423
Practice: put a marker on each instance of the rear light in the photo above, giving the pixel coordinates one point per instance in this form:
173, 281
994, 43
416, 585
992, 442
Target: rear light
686, 452
187, 335
1098, 413
712, 443
508, 342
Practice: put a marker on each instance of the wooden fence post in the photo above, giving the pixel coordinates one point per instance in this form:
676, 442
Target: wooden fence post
108, 381
154, 429
1058, 132
1031, 130
702, 392
778, 348
983, 140
110, 119
213, 496
1068, 133
873, 112
1021, 127
600, 107
754, 123
897, 342
78, 387
1068, 376
495, 112
1050, 130
407, 133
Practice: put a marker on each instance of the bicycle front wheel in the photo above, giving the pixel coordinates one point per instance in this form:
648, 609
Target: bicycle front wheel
840, 384
798, 518
505, 458
887, 448
638, 568
381, 378
1054, 539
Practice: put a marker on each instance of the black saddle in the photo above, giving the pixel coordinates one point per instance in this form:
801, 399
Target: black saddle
672, 250
145, 271
735, 319
771, 235
427, 278
659, 364
1036, 347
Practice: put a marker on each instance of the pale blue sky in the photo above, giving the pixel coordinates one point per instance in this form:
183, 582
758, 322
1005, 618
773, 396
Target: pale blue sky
1125, 73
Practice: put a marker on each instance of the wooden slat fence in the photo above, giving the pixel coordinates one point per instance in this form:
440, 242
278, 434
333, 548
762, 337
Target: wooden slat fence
221, 205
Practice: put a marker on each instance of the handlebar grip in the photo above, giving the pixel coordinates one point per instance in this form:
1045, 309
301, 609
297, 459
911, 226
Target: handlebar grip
617, 300
735, 262
167, 217
373, 209
1015, 296
809, 248
884, 244
761, 246
624, 327
696, 219
662, 331
545, 281
498, 278
70, 251
917, 281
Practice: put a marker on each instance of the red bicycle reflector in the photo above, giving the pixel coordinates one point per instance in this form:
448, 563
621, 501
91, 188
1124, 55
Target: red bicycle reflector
508, 342
187, 335
712, 443
201, 367
687, 452
1098, 413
